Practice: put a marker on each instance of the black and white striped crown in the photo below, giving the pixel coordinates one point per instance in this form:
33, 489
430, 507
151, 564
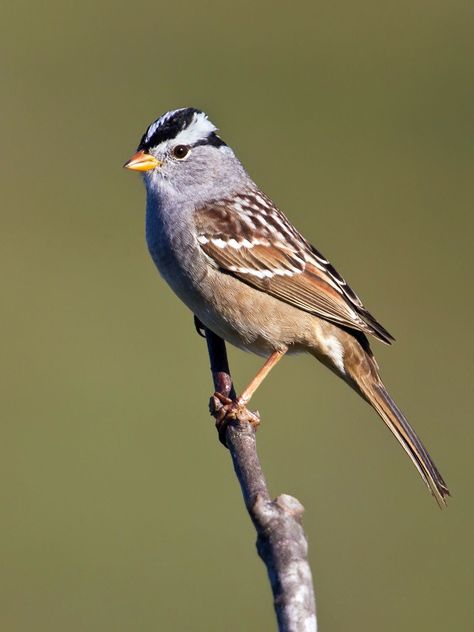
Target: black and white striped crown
186, 126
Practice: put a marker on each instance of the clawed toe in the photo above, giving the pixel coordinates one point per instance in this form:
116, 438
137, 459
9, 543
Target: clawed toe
222, 399
226, 411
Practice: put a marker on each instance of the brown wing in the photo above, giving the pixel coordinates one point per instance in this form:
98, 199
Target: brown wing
247, 236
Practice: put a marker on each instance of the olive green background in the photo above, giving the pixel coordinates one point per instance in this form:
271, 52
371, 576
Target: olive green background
119, 509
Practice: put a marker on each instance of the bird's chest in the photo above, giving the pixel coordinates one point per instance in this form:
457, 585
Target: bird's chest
176, 253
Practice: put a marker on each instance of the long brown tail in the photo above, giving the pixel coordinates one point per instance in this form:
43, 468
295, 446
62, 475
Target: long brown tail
376, 394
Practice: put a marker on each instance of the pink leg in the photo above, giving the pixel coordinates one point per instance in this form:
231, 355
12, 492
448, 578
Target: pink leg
261, 375
224, 409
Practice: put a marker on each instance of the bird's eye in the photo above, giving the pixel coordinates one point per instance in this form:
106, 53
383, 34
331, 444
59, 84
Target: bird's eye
180, 151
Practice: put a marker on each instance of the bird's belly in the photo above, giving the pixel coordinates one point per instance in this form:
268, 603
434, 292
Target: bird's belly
246, 317
224, 312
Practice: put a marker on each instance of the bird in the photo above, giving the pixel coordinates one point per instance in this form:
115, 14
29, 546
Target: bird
249, 276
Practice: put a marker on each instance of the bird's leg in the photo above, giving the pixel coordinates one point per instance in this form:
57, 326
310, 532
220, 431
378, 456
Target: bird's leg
224, 405
237, 409
261, 375
252, 386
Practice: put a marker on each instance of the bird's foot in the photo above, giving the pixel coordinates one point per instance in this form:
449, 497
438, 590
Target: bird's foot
201, 330
230, 411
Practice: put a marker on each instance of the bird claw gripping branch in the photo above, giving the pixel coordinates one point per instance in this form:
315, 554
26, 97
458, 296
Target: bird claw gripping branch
227, 411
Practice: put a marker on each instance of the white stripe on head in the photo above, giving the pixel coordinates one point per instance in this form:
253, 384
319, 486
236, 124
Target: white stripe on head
199, 129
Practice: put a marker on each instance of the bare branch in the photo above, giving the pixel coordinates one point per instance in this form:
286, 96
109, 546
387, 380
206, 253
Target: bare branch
281, 541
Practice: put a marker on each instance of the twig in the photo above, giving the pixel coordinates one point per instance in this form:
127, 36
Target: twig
281, 541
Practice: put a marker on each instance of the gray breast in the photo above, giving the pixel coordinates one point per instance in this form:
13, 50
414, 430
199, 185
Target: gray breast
175, 251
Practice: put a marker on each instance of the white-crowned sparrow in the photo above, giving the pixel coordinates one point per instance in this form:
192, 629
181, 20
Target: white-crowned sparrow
248, 275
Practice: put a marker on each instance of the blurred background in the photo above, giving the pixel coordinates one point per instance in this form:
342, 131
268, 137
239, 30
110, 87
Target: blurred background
119, 509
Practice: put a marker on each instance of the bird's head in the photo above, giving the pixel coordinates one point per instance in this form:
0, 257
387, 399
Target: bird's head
182, 150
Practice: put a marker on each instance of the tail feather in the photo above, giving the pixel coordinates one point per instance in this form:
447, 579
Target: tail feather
377, 395
353, 360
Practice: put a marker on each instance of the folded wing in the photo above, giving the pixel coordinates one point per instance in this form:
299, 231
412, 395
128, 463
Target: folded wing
248, 237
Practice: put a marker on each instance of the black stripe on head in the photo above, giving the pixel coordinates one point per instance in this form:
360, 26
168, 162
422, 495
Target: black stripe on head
213, 139
168, 126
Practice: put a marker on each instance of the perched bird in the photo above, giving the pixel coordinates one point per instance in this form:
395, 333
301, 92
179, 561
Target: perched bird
249, 276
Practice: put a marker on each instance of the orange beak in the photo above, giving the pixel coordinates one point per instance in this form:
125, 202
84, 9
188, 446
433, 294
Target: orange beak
142, 162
